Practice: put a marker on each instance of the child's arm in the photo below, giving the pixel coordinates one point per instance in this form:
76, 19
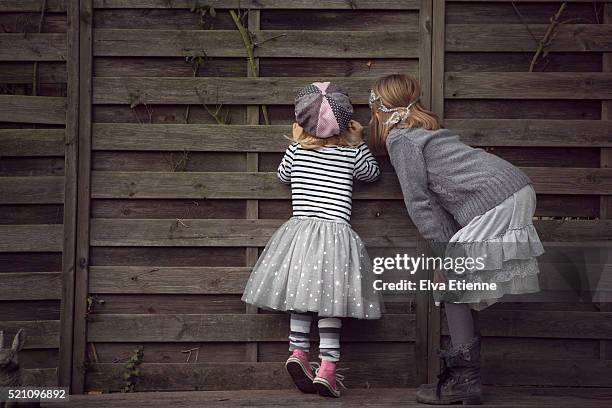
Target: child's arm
432, 220
284, 168
366, 166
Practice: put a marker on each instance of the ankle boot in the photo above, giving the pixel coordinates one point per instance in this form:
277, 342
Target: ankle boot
459, 379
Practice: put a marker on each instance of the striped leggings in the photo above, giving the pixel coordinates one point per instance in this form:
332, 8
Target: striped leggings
329, 334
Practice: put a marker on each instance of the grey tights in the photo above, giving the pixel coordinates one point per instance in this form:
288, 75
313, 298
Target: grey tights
462, 322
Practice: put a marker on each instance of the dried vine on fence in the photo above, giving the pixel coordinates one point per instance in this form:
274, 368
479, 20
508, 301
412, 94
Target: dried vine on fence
549, 35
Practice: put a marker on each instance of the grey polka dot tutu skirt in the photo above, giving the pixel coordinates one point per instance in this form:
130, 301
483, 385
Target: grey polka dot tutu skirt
315, 265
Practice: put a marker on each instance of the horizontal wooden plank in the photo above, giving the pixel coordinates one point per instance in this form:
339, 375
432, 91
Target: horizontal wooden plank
528, 85
53, 6
32, 142
549, 372
40, 377
40, 334
32, 190
33, 109
516, 38
30, 286
264, 185
262, 138
240, 376
31, 238
264, 4
269, 43
167, 280
32, 47
210, 185
545, 324
233, 328
525, 132
398, 232
192, 232
270, 91
236, 138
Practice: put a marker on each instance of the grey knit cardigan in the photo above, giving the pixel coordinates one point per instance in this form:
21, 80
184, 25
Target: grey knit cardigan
446, 183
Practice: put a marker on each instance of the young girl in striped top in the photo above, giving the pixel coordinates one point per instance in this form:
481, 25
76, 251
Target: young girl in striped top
315, 264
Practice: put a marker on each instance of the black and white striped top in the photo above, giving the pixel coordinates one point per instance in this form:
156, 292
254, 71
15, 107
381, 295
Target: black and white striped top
322, 179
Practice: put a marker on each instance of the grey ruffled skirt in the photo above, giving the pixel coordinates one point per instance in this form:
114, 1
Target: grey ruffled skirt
506, 241
314, 265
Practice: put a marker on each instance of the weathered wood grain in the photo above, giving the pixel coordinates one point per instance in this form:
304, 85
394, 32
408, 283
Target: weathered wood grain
39, 333
262, 138
485, 12
209, 185
21, 72
167, 280
545, 324
168, 209
40, 377
528, 85
232, 328
30, 286
517, 62
32, 190
162, 304
269, 91
255, 233
516, 38
550, 372
271, 43
236, 376
265, 186
54, 6
31, 238
31, 142
166, 67
32, 47
265, 4
167, 256
341, 20
526, 132
551, 109
33, 109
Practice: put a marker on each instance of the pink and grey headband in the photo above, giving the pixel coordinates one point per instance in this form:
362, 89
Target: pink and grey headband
323, 109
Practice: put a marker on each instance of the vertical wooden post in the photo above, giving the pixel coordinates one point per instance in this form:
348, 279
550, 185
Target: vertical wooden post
422, 345
70, 195
83, 197
252, 206
605, 205
437, 105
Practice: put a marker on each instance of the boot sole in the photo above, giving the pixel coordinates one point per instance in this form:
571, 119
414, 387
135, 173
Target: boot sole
324, 388
464, 401
299, 375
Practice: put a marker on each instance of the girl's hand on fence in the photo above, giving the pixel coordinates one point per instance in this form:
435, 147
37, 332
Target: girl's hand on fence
354, 132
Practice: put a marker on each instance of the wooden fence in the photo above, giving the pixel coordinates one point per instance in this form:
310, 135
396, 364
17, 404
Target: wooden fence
146, 228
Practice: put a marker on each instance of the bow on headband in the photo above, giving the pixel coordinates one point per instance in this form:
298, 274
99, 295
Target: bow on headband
398, 114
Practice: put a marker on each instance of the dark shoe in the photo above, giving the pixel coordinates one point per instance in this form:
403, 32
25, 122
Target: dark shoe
459, 379
301, 372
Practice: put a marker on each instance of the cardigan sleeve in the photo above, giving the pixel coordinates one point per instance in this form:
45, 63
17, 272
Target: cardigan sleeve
433, 222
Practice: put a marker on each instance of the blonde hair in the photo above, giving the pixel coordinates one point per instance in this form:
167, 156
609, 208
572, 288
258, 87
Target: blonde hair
308, 141
396, 91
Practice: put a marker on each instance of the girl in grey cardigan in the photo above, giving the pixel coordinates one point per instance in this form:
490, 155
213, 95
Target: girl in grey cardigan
466, 203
